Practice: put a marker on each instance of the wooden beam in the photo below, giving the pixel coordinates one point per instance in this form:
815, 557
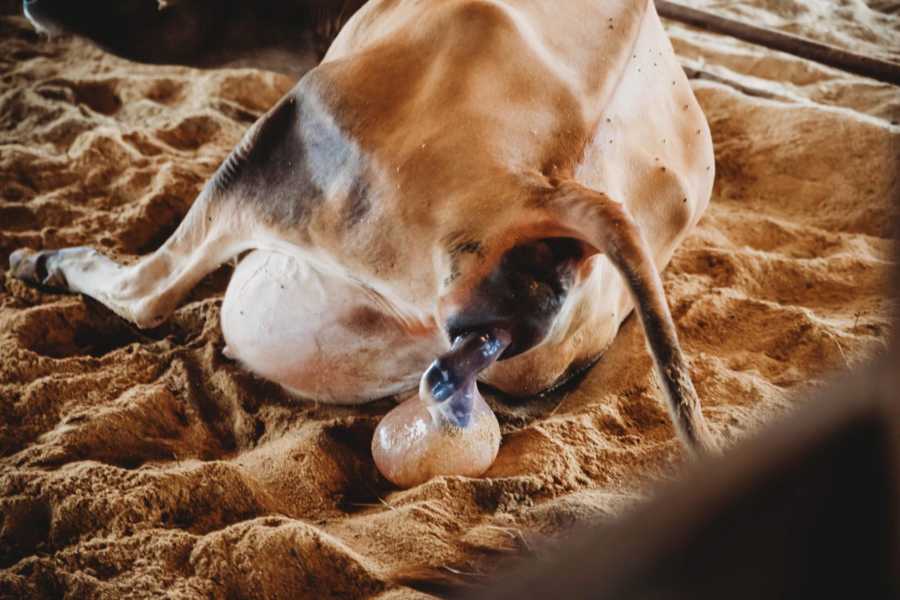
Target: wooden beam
858, 64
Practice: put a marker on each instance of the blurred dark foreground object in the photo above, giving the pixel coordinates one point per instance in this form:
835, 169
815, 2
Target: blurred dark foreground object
809, 508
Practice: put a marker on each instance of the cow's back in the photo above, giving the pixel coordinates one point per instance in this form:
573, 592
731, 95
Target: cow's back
525, 81
454, 102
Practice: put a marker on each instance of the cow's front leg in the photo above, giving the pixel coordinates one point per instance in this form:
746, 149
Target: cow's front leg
448, 429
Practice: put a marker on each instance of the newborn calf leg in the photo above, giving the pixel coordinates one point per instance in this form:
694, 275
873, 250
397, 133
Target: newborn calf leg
448, 429
448, 386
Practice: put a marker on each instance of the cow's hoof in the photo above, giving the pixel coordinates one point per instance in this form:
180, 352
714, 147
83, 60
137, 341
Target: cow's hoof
31, 266
24, 264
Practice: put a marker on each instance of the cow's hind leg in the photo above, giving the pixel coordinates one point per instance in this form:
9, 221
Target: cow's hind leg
220, 224
147, 291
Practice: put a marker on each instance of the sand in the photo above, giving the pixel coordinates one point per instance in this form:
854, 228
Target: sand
147, 464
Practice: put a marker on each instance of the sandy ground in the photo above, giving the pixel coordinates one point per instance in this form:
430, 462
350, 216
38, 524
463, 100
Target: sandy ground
147, 464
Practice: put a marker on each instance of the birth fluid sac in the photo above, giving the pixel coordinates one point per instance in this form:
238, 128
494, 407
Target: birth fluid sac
448, 429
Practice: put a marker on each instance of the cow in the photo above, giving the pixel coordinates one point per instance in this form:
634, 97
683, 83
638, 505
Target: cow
460, 189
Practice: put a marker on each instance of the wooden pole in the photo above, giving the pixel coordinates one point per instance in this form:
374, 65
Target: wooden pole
882, 70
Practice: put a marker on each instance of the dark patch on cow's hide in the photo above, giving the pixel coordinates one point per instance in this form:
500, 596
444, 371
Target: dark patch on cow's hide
458, 244
285, 161
358, 203
365, 321
269, 169
467, 247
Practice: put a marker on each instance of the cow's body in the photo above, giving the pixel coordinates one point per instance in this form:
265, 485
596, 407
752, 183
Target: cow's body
458, 111
389, 195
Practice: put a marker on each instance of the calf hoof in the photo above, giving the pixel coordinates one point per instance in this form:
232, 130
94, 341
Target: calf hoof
448, 429
31, 266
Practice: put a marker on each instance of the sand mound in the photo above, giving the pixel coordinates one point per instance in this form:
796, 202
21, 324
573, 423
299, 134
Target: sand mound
145, 463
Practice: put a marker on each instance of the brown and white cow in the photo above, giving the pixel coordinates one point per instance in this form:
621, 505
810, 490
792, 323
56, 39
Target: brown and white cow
502, 177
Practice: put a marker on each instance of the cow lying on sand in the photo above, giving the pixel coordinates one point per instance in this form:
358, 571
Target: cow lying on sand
494, 184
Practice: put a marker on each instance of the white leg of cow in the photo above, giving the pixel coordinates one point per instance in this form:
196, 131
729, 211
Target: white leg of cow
147, 291
607, 226
219, 225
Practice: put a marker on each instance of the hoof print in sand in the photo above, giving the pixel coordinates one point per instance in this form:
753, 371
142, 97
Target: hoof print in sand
100, 96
